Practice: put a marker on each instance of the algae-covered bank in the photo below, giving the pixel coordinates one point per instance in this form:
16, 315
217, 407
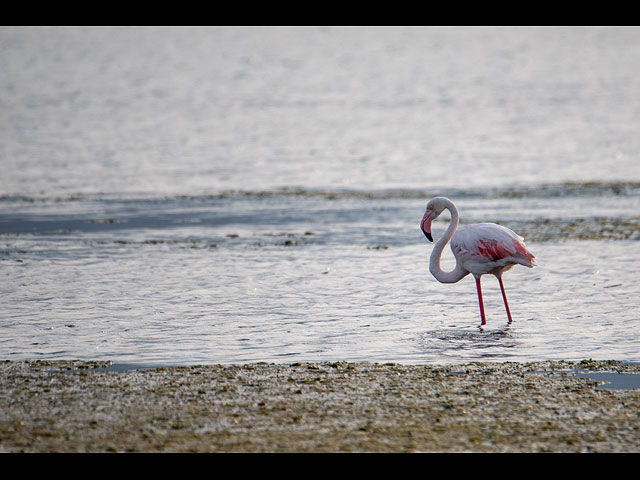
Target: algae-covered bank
76, 406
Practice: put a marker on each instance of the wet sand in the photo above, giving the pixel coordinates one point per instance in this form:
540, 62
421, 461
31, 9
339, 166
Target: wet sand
75, 406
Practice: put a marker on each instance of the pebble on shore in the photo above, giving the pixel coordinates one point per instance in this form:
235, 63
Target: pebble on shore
76, 406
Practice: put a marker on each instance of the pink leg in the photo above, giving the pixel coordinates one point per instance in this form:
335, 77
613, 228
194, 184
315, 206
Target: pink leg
504, 297
480, 300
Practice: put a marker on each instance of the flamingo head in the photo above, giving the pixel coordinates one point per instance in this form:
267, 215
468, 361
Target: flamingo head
435, 206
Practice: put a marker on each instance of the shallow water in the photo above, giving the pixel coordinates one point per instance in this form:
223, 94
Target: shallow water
214, 195
612, 380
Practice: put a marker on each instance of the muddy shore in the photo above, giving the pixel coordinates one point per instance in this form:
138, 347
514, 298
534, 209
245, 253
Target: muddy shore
77, 406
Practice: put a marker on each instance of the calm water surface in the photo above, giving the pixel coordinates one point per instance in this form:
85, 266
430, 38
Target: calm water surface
231, 195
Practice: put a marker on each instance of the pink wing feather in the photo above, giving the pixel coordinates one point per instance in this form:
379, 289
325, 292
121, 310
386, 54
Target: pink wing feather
484, 246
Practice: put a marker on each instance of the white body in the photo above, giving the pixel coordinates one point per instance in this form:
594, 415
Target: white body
479, 249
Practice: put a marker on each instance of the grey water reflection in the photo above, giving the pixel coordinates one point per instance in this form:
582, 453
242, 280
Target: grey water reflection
470, 344
613, 380
224, 195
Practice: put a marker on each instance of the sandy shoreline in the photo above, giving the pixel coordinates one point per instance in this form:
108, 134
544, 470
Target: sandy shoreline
73, 406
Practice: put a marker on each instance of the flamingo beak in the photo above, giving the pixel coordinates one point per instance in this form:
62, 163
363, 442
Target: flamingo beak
425, 226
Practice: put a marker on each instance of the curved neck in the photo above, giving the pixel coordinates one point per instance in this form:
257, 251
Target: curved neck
434, 264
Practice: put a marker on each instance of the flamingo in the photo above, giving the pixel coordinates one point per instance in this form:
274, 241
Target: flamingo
478, 249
